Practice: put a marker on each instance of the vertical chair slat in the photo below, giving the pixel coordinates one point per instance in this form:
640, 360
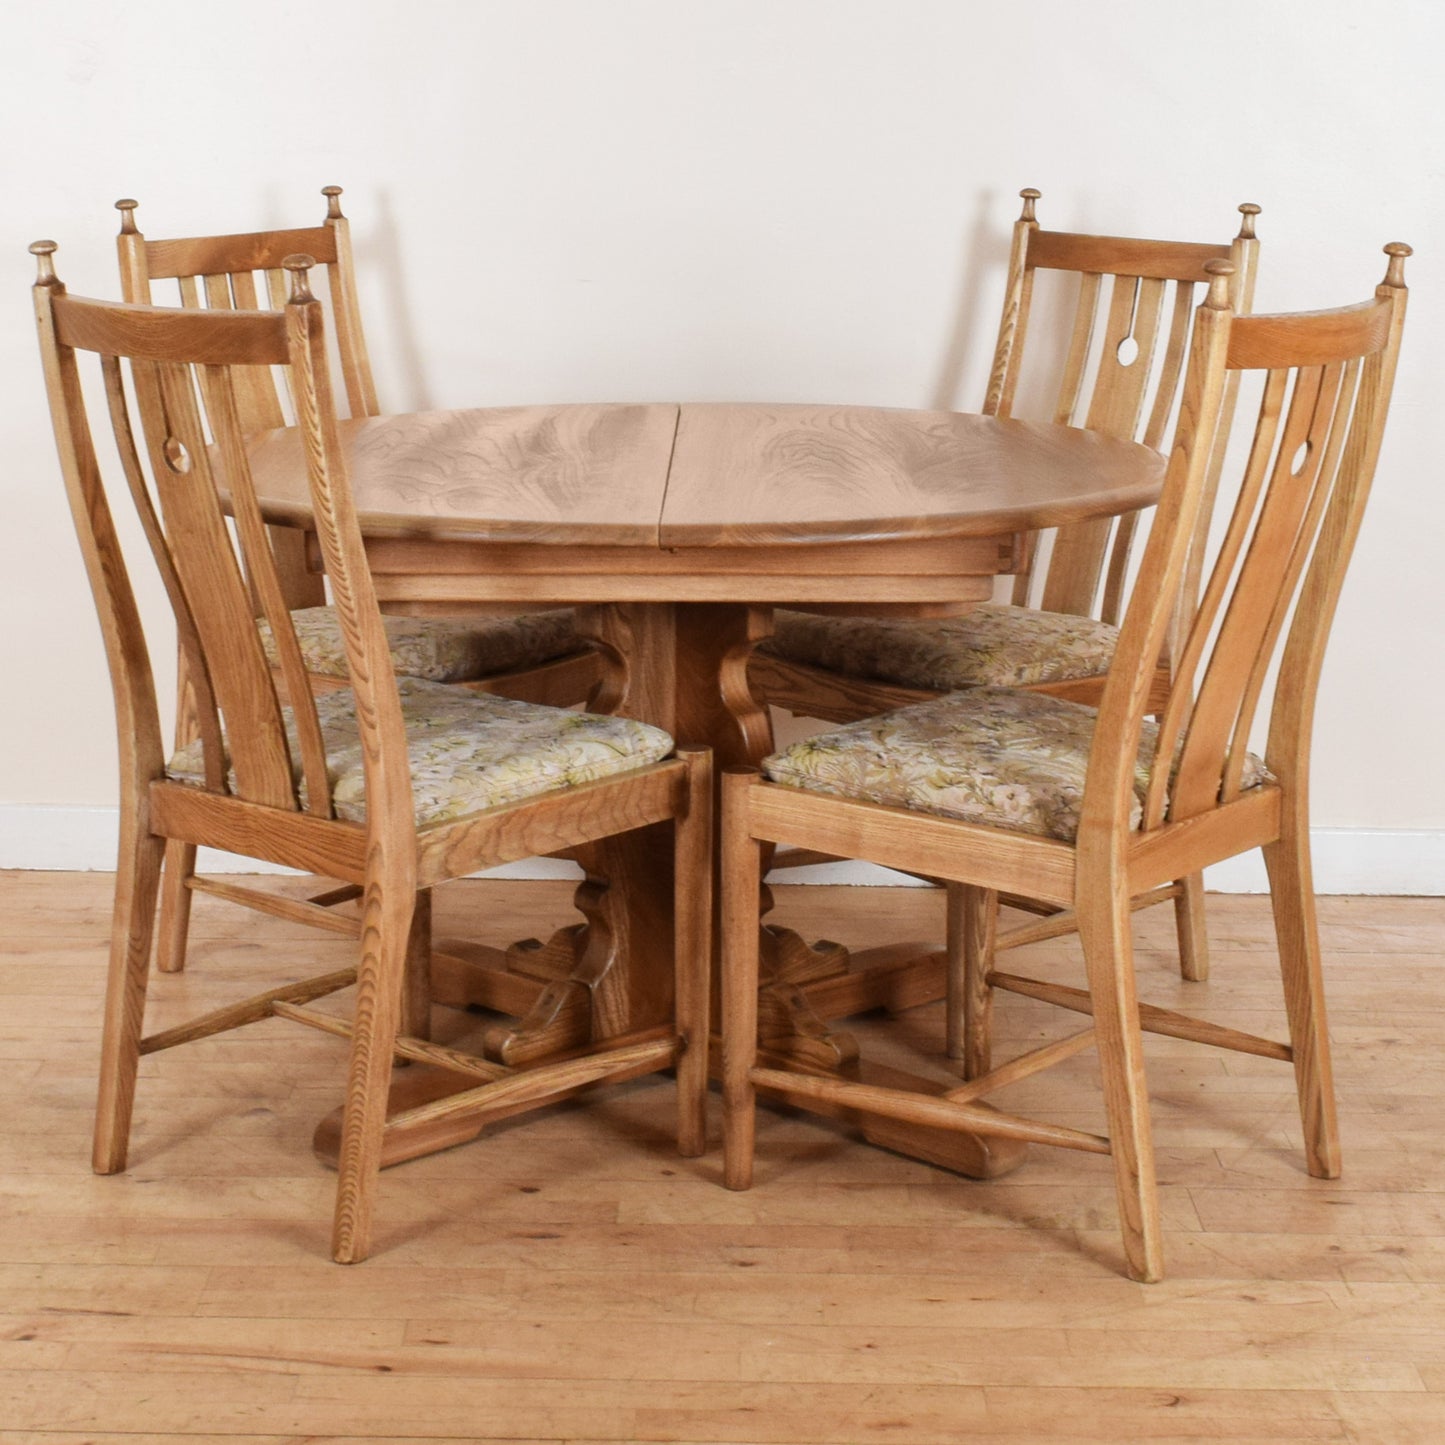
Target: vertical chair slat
198, 678
1117, 401
204, 558
1246, 617
1328, 429
277, 290
243, 291
1175, 718
1171, 368
255, 386
1115, 405
1071, 385
1111, 606
265, 584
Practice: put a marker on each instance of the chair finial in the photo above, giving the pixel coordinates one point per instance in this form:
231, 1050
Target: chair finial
45, 267
1029, 195
333, 202
1219, 273
126, 207
299, 266
1395, 270
1247, 212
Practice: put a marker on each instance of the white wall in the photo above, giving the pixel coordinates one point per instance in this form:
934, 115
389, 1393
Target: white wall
649, 200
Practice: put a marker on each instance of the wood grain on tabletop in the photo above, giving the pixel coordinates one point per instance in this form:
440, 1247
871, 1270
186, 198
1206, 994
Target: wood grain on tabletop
751, 474
745, 475
556, 474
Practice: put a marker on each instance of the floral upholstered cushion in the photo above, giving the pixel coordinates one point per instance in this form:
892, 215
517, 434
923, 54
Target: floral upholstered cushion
994, 645
468, 752
987, 755
439, 649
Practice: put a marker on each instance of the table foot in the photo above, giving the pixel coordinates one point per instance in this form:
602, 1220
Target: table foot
808, 985
531, 981
838, 982
561, 1016
978, 1156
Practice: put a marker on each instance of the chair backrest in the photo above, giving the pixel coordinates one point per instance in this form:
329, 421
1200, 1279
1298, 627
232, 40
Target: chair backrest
1323, 380
198, 509
1119, 373
244, 273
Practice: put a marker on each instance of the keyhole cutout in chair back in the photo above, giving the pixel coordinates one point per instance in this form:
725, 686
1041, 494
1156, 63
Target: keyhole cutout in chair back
178, 459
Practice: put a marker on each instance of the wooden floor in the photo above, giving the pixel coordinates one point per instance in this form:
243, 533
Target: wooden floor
572, 1279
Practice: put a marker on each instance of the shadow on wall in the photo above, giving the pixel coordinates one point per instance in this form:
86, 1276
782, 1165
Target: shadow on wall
983, 265
382, 251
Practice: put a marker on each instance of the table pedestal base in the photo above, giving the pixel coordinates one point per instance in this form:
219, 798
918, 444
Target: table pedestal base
682, 667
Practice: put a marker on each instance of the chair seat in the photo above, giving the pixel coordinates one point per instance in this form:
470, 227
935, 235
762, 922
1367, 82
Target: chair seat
439, 649
994, 645
468, 752
987, 755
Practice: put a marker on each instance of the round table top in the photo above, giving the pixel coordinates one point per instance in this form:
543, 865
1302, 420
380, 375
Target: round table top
713, 475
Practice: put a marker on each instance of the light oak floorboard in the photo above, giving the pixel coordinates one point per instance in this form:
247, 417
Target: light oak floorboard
569, 1278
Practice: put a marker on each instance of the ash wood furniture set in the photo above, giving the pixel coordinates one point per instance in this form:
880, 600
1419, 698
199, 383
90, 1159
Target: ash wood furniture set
837, 561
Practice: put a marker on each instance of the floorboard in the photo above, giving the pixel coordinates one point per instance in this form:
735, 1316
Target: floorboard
569, 1278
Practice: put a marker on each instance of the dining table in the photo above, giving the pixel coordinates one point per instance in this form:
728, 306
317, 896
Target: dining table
675, 530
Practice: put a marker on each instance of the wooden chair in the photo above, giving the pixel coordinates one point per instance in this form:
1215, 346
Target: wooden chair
448, 782
536, 657
1119, 373
1000, 790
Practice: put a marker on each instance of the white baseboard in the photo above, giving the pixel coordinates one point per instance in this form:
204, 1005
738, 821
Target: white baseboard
1346, 860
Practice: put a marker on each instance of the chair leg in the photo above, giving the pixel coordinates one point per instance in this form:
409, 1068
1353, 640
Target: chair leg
972, 931
416, 991
180, 866
692, 950
386, 916
175, 919
1189, 925
741, 882
1103, 913
955, 972
137, 880
1291, 887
